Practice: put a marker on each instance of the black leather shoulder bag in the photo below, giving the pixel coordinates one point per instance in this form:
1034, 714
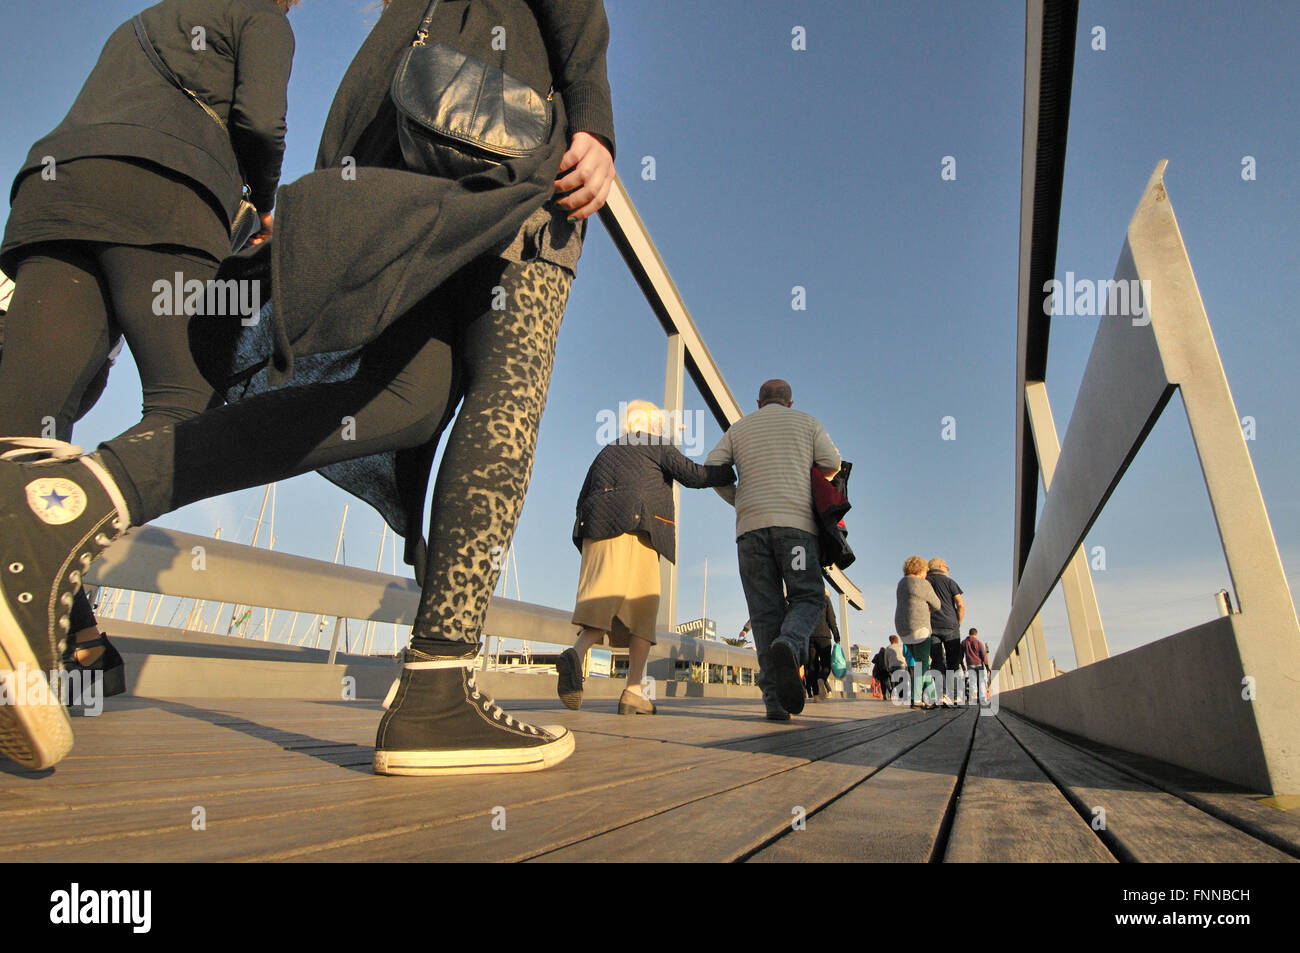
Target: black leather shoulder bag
457, 115
247, 222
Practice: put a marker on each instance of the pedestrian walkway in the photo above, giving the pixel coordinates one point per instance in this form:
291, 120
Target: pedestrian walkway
704, 780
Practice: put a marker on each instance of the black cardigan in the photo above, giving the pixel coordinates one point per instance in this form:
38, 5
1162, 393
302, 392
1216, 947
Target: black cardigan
826, 627
629, 489
126, 109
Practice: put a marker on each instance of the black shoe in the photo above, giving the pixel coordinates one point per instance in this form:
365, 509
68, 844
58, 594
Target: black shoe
58, 512
778, 714
109, 662
630, 704
783, 664
569, 684
439, 722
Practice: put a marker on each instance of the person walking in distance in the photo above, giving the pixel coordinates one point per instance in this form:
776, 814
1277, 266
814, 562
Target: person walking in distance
774, 450
945, 626
896, 666
818, 669
915, 603
977, 667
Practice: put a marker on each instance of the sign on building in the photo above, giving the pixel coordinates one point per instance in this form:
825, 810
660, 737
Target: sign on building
700, 629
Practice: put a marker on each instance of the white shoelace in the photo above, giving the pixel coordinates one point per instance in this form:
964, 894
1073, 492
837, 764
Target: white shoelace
496, 711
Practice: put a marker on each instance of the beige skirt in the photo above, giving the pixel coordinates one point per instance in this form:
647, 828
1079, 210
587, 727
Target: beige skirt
618, 588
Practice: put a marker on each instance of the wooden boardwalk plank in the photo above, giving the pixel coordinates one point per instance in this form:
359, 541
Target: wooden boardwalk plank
1008, 811
105, 769
271, 794
1228, 802
706, 779
250, 823
894, 815
532, 828
537, 828
728, 825
702, 721
1142, 823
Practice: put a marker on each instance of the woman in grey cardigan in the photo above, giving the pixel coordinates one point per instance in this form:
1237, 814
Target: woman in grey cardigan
916, 598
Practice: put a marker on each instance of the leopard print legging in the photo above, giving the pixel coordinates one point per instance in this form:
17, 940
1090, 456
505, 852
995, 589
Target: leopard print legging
507, 355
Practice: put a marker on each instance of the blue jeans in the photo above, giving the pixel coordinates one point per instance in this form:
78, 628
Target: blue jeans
780, 571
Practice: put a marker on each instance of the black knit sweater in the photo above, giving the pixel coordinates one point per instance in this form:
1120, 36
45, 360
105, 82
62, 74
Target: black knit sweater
629, 489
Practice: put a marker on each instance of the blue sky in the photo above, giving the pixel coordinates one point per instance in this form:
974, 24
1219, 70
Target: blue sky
820, 168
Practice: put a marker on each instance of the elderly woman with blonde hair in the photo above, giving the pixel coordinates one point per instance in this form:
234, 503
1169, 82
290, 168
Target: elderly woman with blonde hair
916, 598
625, 522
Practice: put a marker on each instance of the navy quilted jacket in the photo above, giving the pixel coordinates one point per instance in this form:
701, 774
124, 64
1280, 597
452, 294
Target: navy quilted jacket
629, 489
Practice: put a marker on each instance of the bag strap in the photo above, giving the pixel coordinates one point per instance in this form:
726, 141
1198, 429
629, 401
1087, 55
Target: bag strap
422, 34
422, 37
152, 52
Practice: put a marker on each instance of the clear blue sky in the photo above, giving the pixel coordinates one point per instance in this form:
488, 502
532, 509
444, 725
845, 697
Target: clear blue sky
821, 168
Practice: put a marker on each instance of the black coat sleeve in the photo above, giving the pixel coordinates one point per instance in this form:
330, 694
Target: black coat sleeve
830, 620
265, 45
576, 33
675, 464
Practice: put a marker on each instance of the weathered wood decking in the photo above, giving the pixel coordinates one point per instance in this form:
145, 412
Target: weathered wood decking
705, 780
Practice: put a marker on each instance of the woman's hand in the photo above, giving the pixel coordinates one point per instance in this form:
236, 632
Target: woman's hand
265, 233
588, 175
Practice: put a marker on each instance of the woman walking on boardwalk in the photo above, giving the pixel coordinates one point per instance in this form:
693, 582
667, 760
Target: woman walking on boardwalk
915, 600
138, 184
396, 295
625, 521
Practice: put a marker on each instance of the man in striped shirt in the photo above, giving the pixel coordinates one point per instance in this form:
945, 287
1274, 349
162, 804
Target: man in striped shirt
774, 450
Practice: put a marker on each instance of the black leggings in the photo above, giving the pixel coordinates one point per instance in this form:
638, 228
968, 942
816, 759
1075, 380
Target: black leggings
72, 301
396, 401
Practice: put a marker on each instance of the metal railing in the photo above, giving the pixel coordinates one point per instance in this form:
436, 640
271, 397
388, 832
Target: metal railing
1218, 698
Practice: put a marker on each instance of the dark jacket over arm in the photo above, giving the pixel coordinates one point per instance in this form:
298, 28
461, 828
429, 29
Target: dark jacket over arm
257, 124
826, 629
629, 489
577, 34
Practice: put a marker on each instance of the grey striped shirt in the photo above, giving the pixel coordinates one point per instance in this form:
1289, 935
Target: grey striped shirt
773, 450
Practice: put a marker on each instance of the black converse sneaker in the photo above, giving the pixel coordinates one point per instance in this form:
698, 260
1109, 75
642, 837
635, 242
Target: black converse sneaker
439, 722
58, 512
